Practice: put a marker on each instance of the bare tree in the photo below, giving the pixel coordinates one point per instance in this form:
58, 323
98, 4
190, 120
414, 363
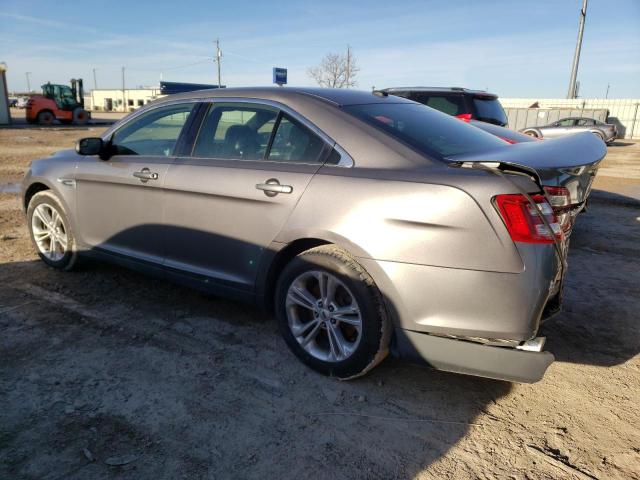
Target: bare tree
336, 70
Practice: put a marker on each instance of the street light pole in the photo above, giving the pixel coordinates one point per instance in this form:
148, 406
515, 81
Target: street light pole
576, 56
95, 82
28, 82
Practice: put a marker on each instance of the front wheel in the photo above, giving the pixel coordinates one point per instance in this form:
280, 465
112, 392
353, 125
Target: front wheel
331, 314
50, 231
45, 118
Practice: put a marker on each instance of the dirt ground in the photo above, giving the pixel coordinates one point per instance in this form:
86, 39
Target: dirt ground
105, 373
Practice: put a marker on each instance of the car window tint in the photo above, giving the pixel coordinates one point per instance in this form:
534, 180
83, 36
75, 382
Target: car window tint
449, 104
567, 122
293, 142
425, 129
489, 110
154, 133
236, 132
583, 122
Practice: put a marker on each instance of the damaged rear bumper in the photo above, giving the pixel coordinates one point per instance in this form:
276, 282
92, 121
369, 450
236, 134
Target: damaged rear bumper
470, 358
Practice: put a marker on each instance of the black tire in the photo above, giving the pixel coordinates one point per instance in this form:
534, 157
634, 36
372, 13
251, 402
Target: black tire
69, 258
46, 118
376, 329
80, 116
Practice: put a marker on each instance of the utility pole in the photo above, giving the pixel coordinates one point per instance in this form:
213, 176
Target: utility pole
348, 64
95, 82
217, 59
124, 108
576, 56
28, 82
607, 94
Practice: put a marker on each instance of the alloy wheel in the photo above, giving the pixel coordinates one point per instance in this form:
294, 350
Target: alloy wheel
323, 316
49, 232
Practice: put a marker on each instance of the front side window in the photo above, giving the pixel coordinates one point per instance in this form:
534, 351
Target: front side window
567, 122
154, 133
293, 142
240, 132
585, 122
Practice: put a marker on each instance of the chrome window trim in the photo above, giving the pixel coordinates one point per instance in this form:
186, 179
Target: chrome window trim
346, 161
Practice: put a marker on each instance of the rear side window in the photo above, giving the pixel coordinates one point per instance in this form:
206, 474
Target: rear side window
583, 122
427, 130
236, 132
293, 142
449, 104
489, 110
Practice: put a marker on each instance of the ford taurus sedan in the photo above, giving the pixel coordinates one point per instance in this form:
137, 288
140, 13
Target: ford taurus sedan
367, 223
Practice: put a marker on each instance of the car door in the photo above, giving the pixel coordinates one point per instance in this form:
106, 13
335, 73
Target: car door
228, 197
559, 128
120, 200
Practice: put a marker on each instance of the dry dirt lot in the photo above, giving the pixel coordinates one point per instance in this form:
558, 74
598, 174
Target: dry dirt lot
105, 373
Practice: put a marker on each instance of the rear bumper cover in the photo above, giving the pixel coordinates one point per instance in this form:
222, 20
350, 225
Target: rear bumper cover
470, 358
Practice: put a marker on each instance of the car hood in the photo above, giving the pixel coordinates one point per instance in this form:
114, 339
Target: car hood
571, 162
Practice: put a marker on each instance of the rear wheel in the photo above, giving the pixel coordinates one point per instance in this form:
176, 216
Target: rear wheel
599, 135
50, 231
531, 133
80, 116
331, 314
45, 118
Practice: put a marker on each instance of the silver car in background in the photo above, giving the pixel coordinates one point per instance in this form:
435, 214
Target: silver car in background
567, 126
367, 223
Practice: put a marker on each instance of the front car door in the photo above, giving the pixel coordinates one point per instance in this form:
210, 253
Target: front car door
120, 200
230, 195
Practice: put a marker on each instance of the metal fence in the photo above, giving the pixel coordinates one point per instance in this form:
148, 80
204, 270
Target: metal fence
529, 112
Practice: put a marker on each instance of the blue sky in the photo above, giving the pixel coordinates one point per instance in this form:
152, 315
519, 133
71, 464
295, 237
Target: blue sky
515, 48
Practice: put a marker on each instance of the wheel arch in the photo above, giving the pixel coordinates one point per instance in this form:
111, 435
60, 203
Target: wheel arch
31, 190
279, 259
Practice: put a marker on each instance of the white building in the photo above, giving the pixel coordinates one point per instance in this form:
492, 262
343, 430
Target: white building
115, 100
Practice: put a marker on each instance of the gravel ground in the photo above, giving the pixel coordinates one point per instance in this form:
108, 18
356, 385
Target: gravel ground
106, 374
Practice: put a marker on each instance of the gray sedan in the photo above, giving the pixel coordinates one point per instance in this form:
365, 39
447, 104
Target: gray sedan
567, 126
367, 223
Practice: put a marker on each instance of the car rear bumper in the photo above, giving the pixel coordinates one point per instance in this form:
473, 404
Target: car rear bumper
459, 356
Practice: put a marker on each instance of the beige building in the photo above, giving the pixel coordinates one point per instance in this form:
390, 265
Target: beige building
115, 100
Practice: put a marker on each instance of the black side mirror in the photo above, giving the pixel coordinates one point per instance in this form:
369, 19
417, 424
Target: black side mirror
90, 146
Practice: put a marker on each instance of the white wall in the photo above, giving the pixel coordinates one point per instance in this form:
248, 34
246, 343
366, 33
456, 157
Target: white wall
97, 99
625, 110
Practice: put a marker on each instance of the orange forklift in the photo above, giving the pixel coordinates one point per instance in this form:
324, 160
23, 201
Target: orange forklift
58, 102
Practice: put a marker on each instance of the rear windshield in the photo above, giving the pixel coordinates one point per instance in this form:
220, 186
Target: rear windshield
425, 129
489, 110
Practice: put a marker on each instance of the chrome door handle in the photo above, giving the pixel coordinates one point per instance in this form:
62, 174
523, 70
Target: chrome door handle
272, 187
145, 175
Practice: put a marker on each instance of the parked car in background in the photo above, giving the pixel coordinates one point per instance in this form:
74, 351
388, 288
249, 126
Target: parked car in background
459, 102
367, 222
567, 126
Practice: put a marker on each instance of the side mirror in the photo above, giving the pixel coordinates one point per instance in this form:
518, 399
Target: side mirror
90, 146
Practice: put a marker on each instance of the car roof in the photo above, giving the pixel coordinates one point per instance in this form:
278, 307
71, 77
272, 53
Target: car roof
440, 90
334, 96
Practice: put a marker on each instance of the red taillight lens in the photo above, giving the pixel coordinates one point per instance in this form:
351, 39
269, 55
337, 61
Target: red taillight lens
508, 140
465, 117
560, 200
523, 221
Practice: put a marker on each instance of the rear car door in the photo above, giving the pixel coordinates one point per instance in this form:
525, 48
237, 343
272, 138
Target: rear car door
120, 200
230, 195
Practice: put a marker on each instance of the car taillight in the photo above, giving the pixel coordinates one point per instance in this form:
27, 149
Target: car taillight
523, 220
508, 140
560, 200
465, 117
